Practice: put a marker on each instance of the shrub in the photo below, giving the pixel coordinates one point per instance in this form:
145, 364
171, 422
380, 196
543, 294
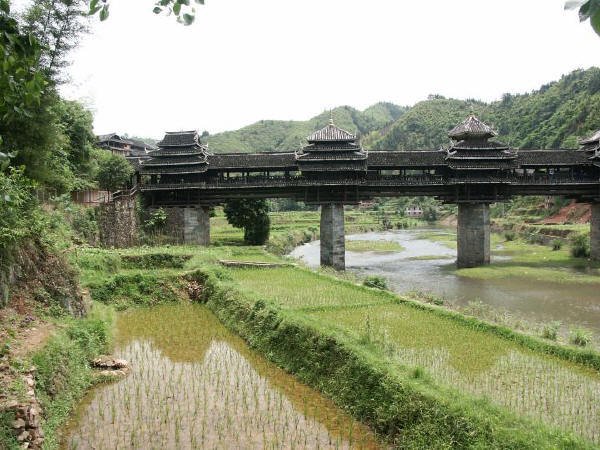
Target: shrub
580, 246
509, 236
157, 220
557, 244
580, 337
375, 282
550, 331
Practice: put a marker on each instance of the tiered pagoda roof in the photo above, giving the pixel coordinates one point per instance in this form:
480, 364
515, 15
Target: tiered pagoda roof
472, 149
332, 149
591, 146
179, 152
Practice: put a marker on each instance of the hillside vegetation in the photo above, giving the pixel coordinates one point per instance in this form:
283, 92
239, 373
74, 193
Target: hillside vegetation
290, 135
554, 116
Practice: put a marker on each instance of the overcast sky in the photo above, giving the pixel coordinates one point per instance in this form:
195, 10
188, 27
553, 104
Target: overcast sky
246, 60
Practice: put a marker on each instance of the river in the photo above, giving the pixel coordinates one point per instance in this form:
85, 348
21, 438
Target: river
537, 301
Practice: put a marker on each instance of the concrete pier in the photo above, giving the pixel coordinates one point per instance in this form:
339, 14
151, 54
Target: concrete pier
333, 246
595, 231
196, 225
473, 246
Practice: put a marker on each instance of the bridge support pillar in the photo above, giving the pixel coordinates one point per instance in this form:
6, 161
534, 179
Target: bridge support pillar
595, 231
196, 225
473, 246
333, 247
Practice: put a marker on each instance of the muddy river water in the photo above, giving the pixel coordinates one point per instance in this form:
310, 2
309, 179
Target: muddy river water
539, 301
195, 385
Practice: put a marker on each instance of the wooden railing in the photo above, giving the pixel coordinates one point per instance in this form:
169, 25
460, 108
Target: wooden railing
370, 180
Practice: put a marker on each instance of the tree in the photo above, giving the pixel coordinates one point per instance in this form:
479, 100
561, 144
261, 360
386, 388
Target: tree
588, 9
252, 216
179, 8
114, 172
21, 85
58, 26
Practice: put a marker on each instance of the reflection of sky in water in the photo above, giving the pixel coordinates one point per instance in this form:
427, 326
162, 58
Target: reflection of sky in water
534, 300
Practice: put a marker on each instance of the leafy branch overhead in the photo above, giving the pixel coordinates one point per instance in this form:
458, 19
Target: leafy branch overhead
588, 9
181, 9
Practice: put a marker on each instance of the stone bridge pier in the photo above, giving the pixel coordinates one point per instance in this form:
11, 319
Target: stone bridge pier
196, 225
595, 231
333, 246
189, 225
473, 235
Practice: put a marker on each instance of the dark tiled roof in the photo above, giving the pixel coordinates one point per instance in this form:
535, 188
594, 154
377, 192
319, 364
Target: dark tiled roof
479, 144
141, 144
472, 128
407, 158
108, 137
180, 139
332, 156
482, 154
594, 138
479, 164
177, 151
152, 170
252, 160
331, 133
590, 148
176, 161
136, 161
551, 157
334, 166
341, 146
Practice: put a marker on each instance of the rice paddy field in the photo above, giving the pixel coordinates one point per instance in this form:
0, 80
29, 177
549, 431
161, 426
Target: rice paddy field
545, 388
196, 385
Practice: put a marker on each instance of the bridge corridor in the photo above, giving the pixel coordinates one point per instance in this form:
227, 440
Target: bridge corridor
333, 170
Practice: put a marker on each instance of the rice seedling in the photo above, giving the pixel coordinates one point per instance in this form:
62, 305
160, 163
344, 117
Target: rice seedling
542, 387
194, 385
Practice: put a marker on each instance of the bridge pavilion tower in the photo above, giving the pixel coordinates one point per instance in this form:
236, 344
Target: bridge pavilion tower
181, 159
591, 146
473, 155
332, 156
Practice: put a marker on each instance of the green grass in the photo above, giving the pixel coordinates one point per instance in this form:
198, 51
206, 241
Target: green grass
355, 245
539, 262
299, 288
444, 238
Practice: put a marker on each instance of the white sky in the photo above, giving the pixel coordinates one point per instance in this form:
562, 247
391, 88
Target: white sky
246, 60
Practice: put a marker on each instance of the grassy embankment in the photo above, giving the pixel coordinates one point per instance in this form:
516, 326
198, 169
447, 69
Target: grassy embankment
526, 261
412, 372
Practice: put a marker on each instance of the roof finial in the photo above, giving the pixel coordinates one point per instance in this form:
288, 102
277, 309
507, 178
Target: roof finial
331, 117
472, 111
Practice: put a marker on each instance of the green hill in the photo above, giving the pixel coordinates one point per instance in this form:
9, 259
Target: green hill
290, 135
555, 116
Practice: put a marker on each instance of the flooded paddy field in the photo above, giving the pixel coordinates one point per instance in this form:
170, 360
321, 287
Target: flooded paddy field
195, 385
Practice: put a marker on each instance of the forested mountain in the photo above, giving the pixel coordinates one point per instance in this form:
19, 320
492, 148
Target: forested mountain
555, 116
290, 135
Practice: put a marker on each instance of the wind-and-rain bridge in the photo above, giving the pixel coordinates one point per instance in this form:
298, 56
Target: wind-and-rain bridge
333, 170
